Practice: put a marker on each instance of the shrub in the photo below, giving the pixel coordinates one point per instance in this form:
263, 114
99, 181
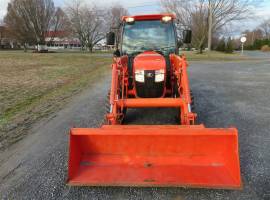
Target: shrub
258, 44
221, 45
229, 46
265, 48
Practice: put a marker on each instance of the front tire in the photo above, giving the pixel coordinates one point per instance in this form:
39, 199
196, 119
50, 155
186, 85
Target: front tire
108, 109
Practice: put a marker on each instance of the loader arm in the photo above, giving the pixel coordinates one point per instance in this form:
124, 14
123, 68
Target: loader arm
179, 66
119, 100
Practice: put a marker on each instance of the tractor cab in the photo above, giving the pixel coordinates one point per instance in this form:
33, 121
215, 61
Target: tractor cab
148, 41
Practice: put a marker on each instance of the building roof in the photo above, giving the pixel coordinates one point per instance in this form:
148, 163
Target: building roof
56, 33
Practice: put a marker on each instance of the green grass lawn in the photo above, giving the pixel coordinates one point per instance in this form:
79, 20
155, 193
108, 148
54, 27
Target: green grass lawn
35, 85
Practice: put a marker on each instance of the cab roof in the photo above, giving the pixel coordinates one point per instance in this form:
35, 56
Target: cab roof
149, 17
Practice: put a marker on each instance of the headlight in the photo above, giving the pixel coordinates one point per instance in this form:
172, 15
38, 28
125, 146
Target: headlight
139, 76
159, 75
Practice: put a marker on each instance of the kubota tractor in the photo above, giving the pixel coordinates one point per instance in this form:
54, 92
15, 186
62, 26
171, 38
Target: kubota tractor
147, 71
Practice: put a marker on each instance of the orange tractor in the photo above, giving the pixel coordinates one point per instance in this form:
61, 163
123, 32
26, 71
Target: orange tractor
147, 72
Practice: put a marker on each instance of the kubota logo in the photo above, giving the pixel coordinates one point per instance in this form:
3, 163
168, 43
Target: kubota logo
149, 75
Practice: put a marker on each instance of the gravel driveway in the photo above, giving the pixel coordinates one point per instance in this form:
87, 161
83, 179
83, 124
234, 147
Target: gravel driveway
226, 94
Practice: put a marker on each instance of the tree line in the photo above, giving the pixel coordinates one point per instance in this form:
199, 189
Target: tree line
259, 38
29, 21
209, 18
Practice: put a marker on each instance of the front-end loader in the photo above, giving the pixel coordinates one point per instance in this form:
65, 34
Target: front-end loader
147, 72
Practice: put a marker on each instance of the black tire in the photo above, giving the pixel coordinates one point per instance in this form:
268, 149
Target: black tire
108, 109
193, 108
177, 110
192, 101
178, 113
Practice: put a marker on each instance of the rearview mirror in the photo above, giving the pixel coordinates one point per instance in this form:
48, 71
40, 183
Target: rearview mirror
117, 53
187, 36
110, 38
179, 43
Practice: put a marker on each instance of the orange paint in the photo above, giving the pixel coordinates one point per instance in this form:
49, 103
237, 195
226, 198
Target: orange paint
151, 103
154, 156
149, 60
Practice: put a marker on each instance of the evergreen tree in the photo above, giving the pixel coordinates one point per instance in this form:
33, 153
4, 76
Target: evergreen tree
221, 45
229, 46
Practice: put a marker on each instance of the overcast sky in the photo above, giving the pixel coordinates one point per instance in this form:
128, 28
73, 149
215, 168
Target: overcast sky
153, 6
134, 7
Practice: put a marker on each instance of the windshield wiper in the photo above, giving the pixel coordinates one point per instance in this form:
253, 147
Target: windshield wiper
158, 50
167, 47
161, 50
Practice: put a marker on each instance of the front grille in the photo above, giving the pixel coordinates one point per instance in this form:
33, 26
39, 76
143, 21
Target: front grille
149, 89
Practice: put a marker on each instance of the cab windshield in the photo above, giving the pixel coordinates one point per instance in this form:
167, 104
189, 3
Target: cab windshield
148, 35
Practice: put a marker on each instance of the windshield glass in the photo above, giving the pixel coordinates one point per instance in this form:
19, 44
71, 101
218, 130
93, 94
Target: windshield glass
148, 35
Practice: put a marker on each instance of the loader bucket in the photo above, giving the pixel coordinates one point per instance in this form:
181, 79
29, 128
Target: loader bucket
174, 156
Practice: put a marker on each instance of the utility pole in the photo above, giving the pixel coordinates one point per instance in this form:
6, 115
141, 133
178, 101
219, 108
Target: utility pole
210, 25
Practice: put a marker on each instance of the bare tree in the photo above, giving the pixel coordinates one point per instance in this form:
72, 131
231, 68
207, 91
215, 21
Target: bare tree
221, 12
60, 22
199, 27
29, 20
2, 34
87, 23
114, 15
192, 16
113, 18
265, 27
252, 36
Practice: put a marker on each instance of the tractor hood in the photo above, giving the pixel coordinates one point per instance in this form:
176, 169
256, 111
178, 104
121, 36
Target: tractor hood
150, 75
149, 60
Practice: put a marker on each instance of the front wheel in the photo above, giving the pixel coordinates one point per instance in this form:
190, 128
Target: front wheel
178, 115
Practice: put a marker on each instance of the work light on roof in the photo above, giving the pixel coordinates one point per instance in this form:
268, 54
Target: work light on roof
130, 19
166, 18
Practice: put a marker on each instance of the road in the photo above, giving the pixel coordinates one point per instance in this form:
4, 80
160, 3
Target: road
226, 94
